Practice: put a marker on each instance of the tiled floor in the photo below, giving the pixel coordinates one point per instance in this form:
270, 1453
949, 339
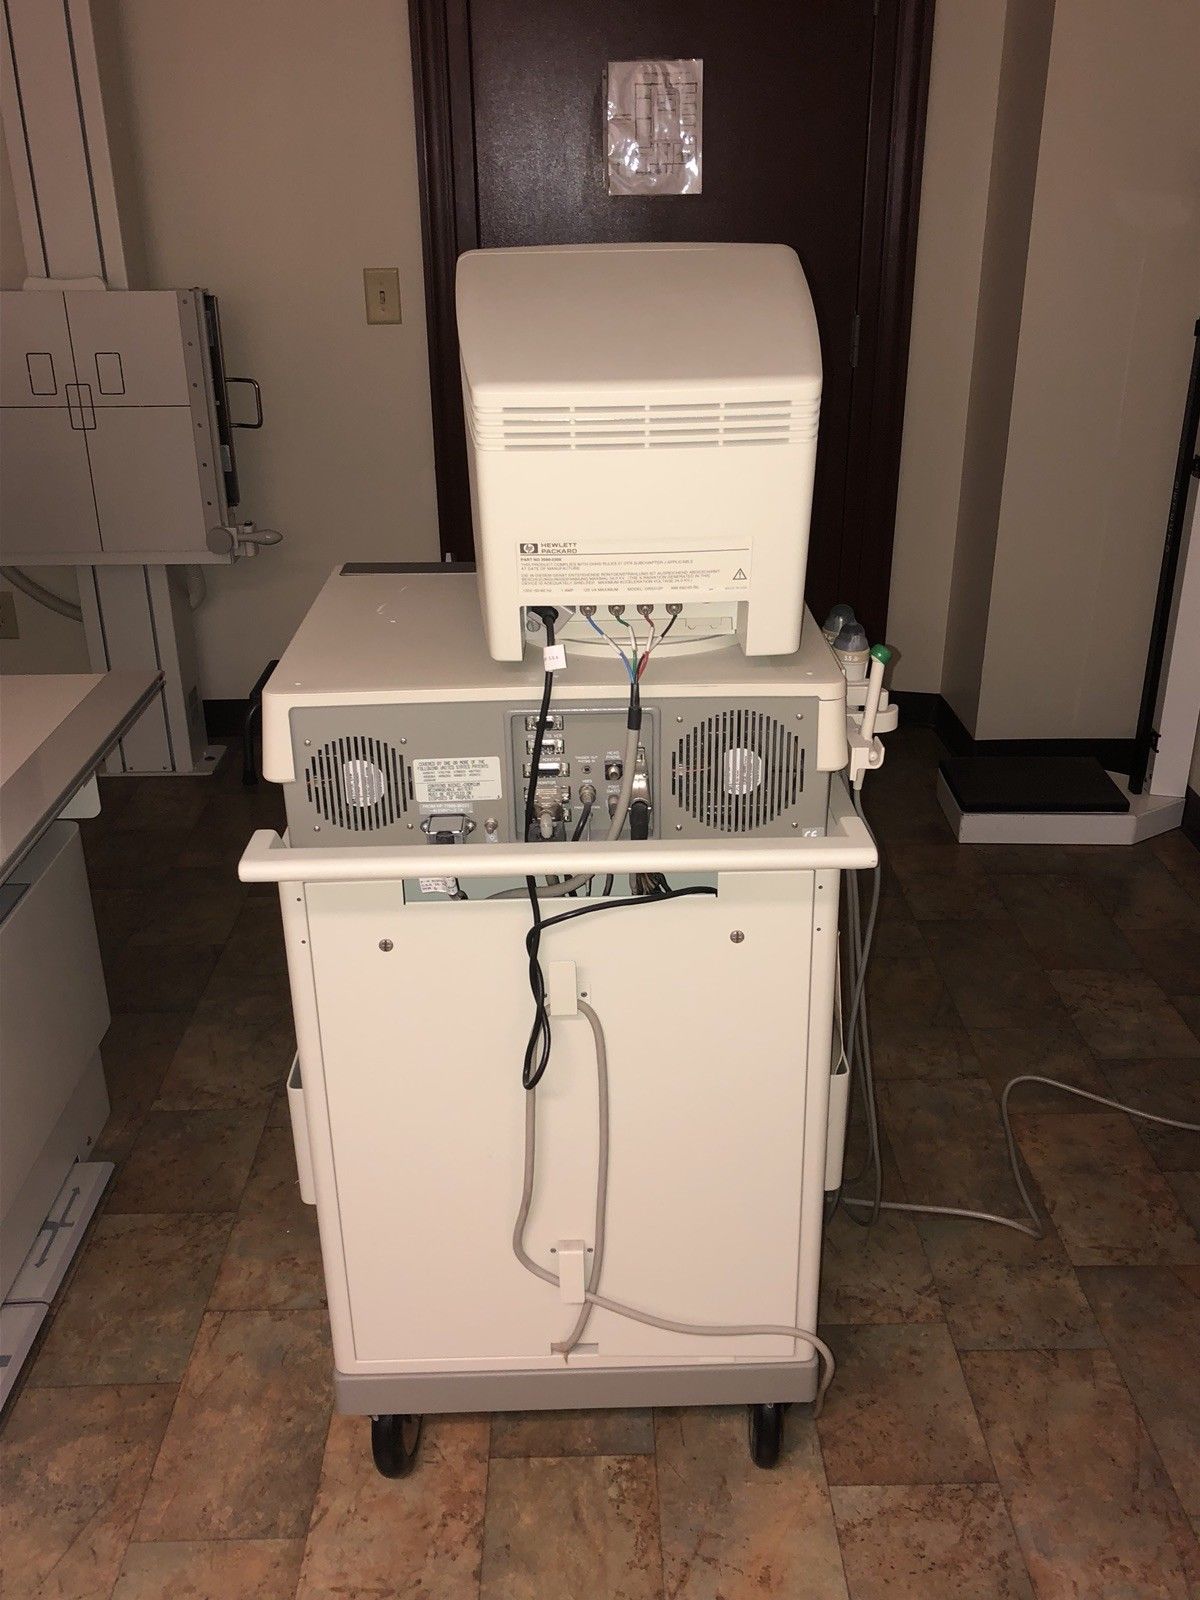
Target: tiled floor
1010, 1419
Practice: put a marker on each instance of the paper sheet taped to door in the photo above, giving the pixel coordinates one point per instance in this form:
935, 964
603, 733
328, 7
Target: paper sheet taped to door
653, 120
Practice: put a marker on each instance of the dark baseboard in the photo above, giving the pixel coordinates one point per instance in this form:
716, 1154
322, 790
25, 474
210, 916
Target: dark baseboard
917, 709
932, 711
225, 719
1191, 817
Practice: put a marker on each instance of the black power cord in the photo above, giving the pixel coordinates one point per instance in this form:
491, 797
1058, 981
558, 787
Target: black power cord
639, 828
537, 1050
549, 618
634, 900
585, 816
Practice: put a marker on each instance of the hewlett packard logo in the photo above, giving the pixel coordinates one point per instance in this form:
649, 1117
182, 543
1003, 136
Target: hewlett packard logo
529, 549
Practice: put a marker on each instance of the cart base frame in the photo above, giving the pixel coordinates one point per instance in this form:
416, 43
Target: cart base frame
722, 1384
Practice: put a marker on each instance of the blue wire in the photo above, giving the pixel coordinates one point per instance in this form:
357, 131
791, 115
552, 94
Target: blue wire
598, 629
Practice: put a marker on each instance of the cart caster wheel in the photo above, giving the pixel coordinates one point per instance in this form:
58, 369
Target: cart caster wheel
766, 1434
394, 1440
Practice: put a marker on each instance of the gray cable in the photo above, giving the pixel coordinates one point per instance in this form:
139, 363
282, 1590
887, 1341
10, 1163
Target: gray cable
43, 596
859, 953
616, 824
1036, 1231
826, 1361
565, 1346
857, 1035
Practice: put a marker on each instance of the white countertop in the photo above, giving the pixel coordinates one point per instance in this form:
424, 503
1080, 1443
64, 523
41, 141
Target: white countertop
55, 729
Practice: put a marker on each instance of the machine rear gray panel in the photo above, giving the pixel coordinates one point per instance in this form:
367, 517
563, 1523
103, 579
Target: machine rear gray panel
744, 766
718, 766
355, 775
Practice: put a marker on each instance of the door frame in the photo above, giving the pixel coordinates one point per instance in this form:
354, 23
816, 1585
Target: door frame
445, 125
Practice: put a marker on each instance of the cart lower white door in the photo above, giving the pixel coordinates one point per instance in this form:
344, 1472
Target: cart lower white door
424, 1011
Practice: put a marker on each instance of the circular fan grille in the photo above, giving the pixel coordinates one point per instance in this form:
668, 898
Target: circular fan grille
737, 770
358, 783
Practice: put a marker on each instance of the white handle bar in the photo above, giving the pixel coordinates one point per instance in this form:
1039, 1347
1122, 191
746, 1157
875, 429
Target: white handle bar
846, 846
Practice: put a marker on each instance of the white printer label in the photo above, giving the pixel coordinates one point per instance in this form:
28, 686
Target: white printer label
438, 885
590, 570
453, 780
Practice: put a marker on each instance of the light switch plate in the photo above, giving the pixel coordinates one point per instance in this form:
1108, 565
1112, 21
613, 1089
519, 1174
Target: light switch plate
9, 627
381, 287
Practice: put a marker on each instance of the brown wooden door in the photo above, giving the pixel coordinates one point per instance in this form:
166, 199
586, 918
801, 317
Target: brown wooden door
811, 136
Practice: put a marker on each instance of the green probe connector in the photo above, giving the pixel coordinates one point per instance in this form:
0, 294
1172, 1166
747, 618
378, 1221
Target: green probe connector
880, 652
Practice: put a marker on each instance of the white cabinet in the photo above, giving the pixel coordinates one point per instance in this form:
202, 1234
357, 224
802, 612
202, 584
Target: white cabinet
110, 448
45, 481
129, 347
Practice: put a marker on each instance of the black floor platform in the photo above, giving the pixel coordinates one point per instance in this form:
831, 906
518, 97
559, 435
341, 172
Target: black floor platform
1031, 784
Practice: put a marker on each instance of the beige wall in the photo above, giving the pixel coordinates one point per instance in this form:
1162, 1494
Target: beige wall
1106, 340
274, 158
959, 135
267, 151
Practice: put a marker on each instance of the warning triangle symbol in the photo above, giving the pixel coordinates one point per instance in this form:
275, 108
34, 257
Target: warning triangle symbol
739, 576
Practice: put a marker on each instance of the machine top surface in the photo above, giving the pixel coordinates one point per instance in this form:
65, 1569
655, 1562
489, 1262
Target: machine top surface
553, 323
416, 637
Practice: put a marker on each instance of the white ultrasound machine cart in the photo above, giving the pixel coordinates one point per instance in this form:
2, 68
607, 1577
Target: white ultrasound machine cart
560, 882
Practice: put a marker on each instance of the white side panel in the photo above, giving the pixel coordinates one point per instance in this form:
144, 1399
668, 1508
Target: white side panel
68, 1142
299, 1120
65, 1224
53, 1014
46, 500
316, 1116
19, 1327
420, 1051
822, 980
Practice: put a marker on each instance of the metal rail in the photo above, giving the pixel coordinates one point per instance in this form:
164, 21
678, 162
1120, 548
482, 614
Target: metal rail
847, 846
